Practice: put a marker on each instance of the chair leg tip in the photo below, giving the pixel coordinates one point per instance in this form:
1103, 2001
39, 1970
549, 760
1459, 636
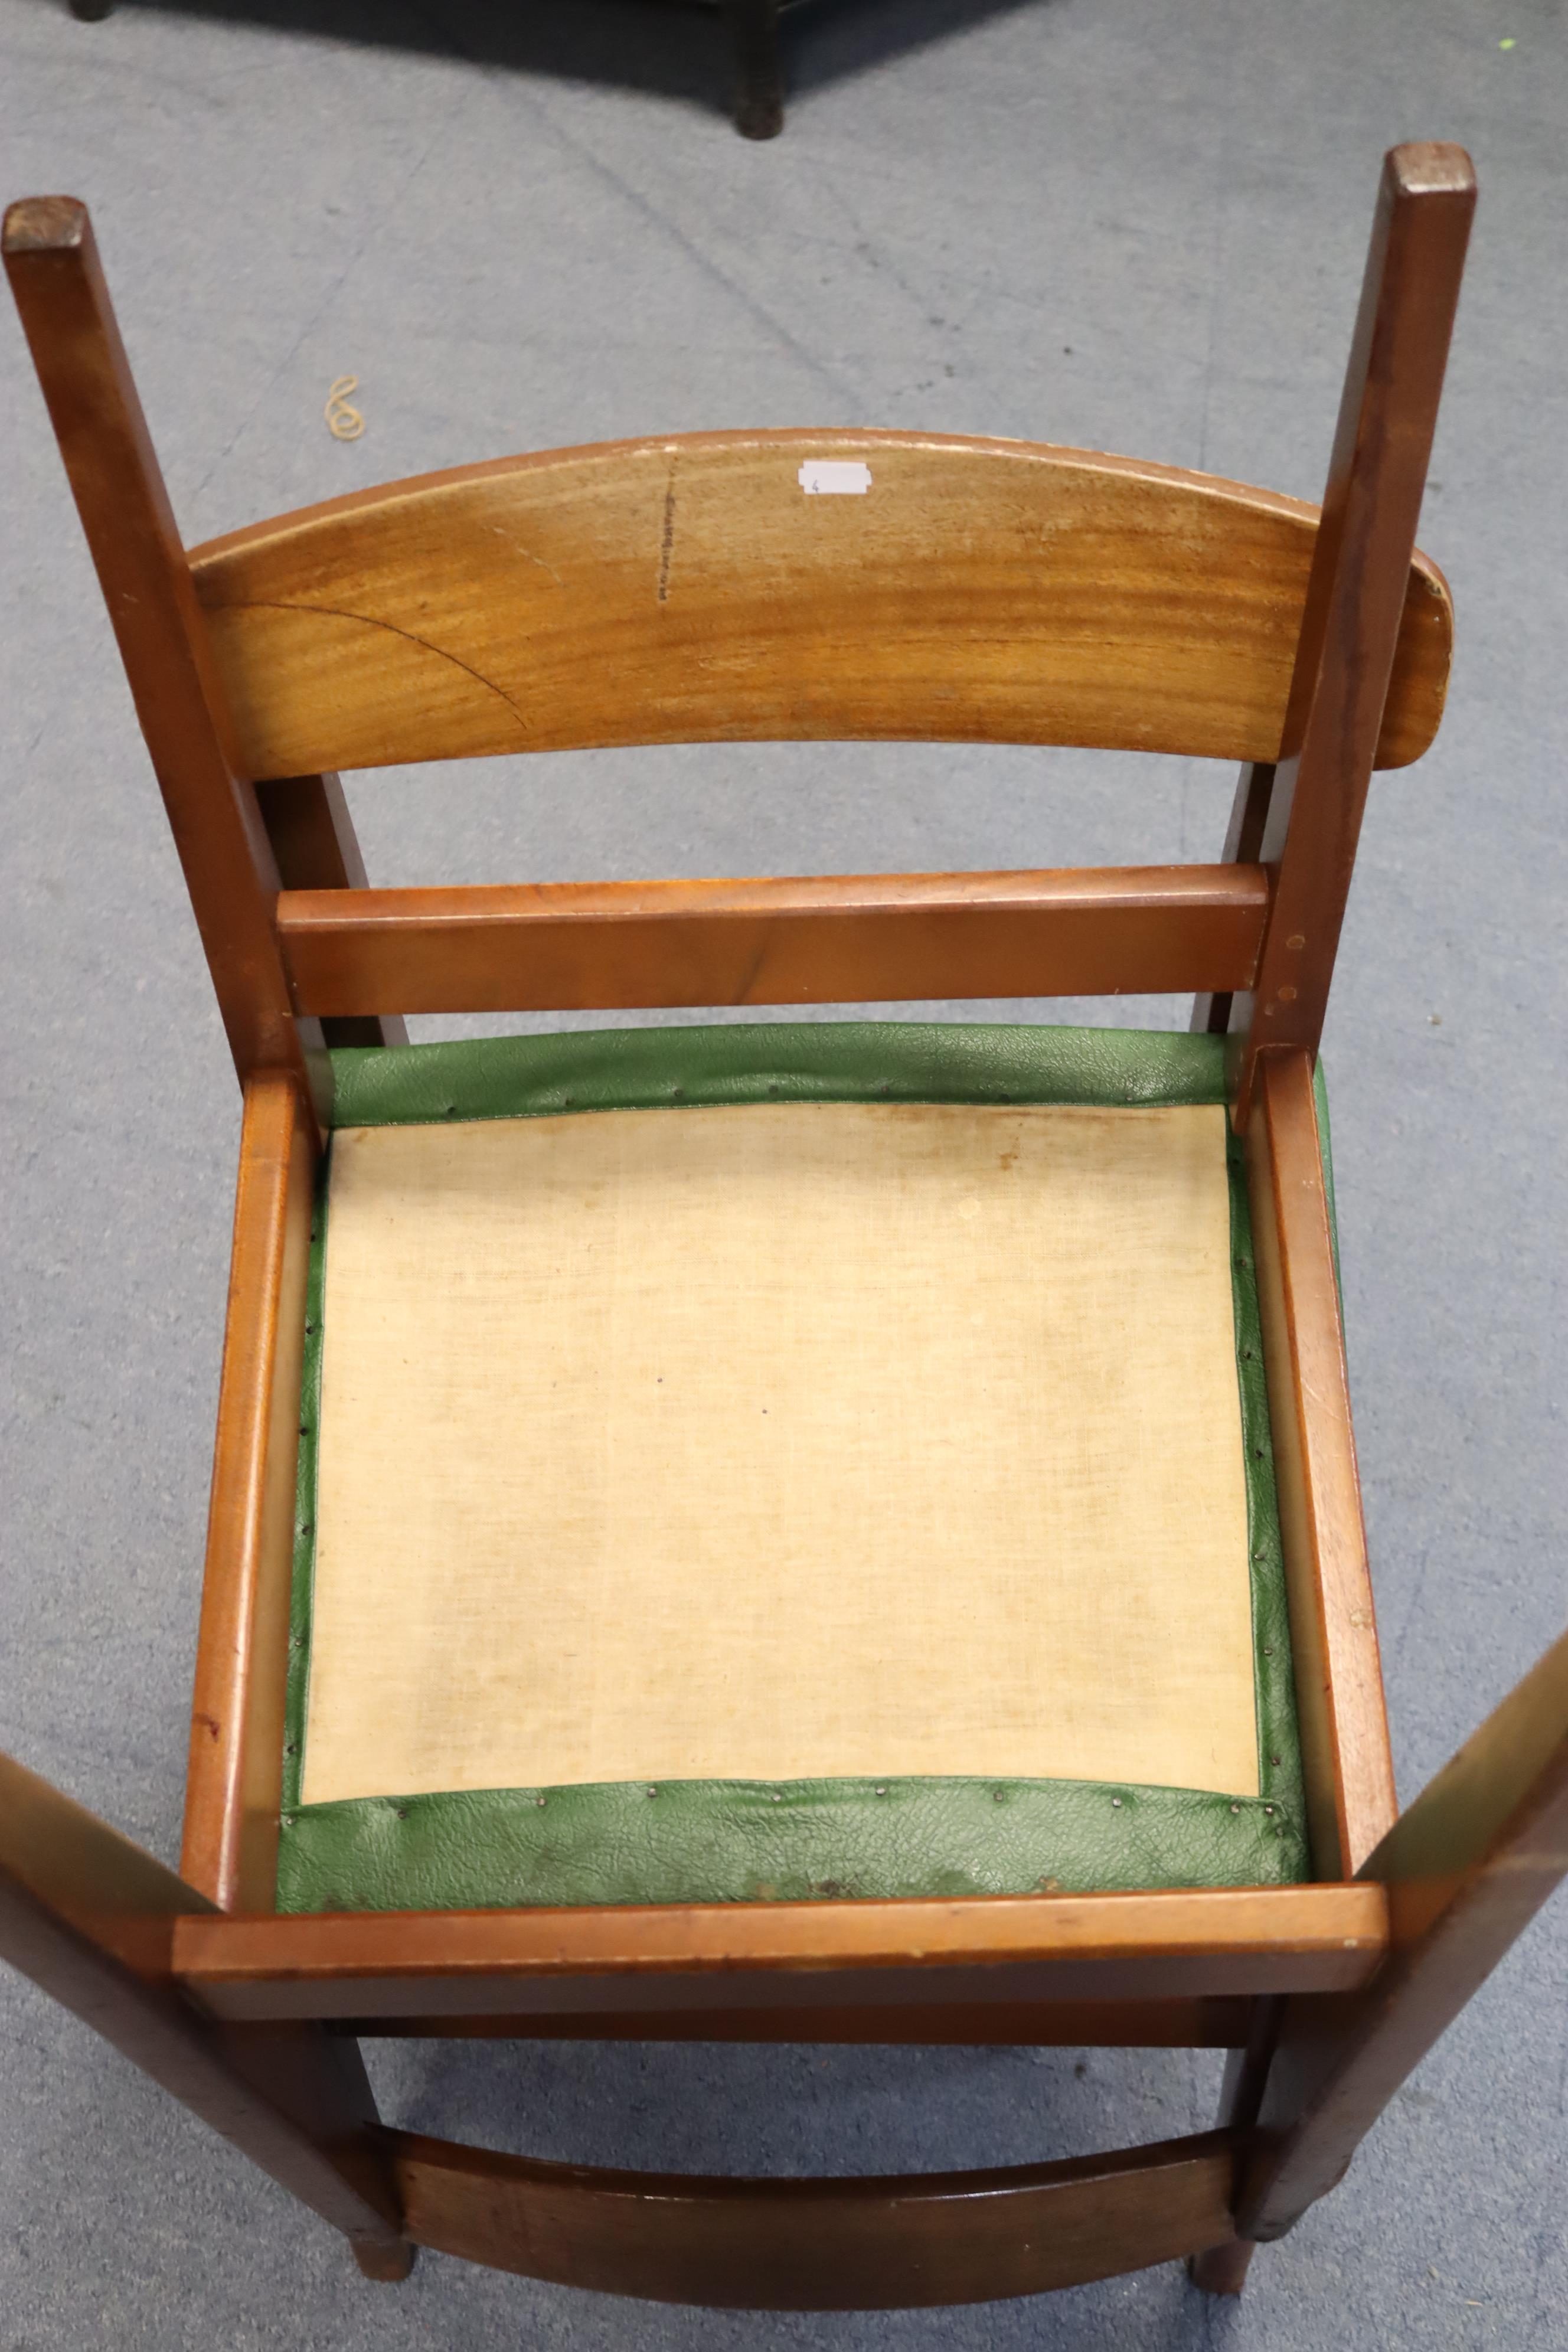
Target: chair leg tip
387, 2261
1222, 2269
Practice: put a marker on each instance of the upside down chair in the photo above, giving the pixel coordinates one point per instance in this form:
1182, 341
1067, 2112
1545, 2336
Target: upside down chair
790, 1530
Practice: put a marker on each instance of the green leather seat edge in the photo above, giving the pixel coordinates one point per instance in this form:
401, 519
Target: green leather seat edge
445, 1850
792, 1061
746, 1840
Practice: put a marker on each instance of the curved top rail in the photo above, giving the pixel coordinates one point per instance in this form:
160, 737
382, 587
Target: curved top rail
696, 588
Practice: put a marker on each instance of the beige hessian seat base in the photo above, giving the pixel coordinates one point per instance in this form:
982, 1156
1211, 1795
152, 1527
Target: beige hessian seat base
756, 1443
780, 1442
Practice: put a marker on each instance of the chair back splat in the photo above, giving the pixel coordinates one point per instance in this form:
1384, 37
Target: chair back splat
585, 1397
702, 587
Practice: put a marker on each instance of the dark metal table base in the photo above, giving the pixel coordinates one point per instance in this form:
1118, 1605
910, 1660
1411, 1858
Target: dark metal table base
754, 24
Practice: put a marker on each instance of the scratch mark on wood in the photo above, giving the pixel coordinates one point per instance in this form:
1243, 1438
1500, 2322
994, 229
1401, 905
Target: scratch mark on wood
667, 541
369, 621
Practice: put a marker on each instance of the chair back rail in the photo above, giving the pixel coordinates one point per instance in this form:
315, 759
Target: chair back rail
689, 590
741, 586
840, 939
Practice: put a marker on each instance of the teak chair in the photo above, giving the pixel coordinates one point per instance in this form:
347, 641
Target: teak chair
793, 1532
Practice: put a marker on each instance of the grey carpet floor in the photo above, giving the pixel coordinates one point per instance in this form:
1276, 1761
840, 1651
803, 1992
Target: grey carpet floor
1134, 224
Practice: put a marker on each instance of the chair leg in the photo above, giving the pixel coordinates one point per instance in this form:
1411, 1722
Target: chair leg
1467, 1866
1222, 2269
92, 12
90, 1917
388, 2264
759, 85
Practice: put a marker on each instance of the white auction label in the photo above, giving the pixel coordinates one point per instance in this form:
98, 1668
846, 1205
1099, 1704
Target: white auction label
843, 477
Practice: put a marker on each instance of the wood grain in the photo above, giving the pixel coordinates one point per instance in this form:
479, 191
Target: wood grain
233, 1782
1333, 1628
1358, 591
52, 262
839, 940
1466, 1868
855, 2244
687, 589
88, 1917
711, 1957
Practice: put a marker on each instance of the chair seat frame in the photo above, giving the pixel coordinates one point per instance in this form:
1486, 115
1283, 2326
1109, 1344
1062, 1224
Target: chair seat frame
1325, 1994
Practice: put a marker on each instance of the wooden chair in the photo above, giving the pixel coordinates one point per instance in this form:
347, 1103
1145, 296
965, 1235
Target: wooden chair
788, 1538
